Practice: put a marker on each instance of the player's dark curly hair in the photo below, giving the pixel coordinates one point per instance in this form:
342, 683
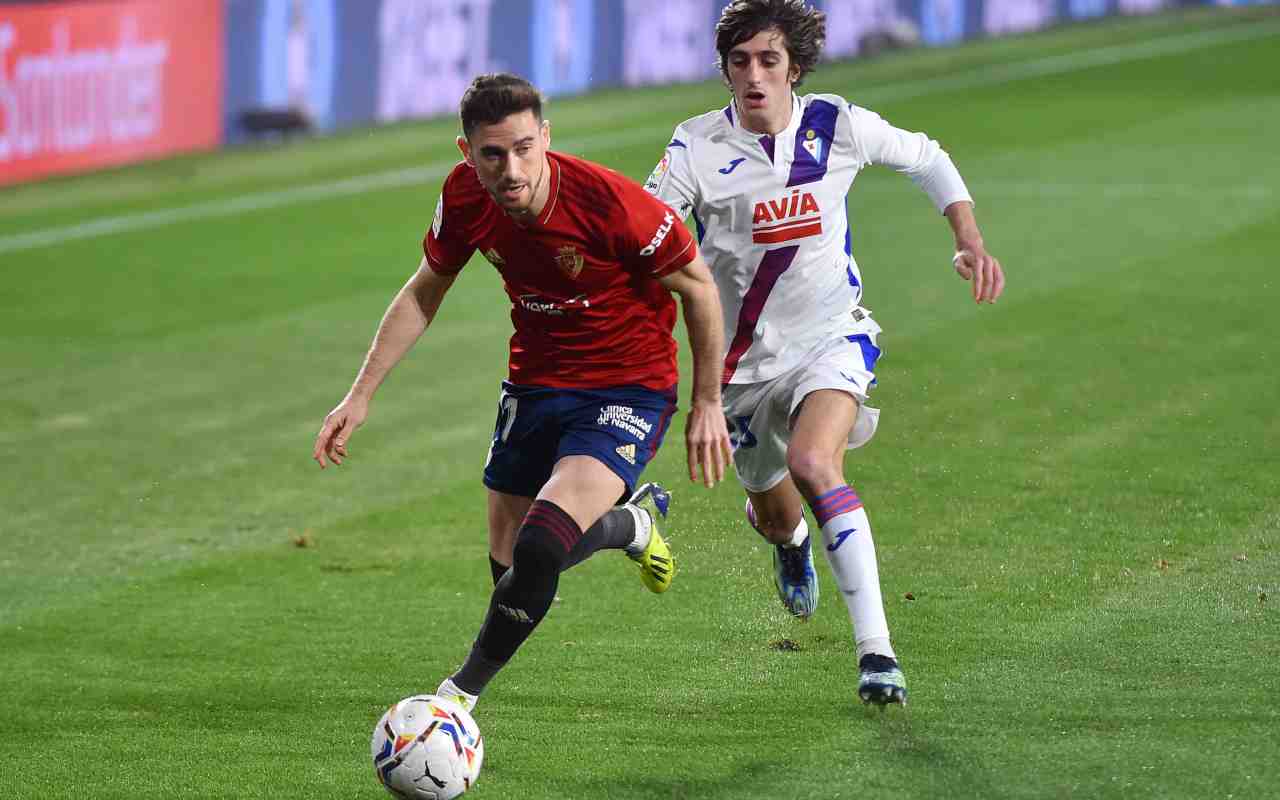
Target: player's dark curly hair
493, 97
804, 27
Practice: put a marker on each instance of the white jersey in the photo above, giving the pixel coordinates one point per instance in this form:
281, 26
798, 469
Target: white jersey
772, 222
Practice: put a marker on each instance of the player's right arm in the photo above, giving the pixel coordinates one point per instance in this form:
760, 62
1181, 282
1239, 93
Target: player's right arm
405, 320
446, 249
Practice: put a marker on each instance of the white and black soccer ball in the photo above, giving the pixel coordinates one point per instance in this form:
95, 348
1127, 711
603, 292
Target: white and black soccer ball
427, 748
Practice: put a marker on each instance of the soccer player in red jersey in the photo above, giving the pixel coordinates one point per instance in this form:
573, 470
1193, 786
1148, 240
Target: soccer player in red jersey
590, 262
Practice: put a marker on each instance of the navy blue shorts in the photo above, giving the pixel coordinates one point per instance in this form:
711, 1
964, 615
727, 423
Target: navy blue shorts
537, 426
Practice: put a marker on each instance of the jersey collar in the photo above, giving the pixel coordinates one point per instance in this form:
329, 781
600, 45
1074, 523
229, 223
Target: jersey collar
553, 193
735, 120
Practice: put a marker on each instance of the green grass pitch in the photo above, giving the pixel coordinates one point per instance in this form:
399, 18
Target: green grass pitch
1075, 493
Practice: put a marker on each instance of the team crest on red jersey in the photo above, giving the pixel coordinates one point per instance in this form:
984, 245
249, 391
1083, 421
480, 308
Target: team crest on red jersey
569, 261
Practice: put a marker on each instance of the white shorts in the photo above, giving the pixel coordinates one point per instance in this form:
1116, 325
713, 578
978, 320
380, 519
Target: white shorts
759, 415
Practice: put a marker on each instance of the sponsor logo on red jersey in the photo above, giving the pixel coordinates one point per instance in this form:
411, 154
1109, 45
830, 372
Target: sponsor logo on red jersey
667, 222
556, 308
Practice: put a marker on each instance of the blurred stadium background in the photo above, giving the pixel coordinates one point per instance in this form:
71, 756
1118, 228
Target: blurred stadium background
91, 84
1076, 492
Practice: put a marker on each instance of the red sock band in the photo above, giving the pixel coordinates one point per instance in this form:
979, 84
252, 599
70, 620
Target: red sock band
840, 500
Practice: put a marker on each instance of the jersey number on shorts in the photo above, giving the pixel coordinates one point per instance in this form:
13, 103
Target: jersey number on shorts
739, 434
507, 405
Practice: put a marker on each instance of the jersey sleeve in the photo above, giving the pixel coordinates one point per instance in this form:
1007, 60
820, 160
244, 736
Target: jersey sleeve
922, 159
672, 180
652, 239
445, 247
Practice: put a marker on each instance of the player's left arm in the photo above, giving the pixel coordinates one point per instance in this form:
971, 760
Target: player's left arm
706, 437
972, 261
875, 141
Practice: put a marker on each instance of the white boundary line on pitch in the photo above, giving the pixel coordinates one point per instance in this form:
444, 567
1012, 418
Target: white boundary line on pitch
1083, 59
982, 76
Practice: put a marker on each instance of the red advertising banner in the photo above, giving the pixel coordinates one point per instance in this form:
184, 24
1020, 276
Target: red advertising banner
85, 85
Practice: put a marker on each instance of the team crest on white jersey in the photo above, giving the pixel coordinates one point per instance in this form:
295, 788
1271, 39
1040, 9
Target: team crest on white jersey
793, 216
569, 261
812, 145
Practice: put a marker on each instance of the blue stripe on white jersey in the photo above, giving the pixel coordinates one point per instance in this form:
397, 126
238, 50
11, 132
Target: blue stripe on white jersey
848, 251
814, 137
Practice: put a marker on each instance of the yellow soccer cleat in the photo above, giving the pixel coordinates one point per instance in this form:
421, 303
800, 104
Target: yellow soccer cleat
657, 565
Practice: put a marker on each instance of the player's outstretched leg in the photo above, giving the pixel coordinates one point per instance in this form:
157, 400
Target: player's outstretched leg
520, 600
632, 527
649, 550
880, 680
793, 572
851, 554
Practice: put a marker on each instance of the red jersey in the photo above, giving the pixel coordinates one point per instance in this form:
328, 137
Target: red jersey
587, 308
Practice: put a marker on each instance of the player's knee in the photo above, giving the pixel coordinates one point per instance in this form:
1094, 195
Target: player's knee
537, 552
810, 468
775, 521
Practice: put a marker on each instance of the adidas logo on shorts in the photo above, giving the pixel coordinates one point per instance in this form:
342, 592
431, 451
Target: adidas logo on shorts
628, 453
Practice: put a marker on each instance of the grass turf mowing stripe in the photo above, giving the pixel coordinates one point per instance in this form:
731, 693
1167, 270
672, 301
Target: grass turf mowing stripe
1077, 486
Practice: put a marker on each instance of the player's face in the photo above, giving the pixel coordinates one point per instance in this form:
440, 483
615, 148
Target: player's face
510, 160
761, 74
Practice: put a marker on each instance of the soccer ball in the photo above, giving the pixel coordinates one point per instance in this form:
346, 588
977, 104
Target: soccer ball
427, 748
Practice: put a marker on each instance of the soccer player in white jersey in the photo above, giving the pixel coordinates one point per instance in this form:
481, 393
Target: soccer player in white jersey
765, 179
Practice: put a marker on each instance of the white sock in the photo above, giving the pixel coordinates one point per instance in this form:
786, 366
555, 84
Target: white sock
643, 526
450, 691
851, 554
799, 534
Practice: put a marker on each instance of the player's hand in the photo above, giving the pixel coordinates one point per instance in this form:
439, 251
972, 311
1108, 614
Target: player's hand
973, 262
331, 441
707, 440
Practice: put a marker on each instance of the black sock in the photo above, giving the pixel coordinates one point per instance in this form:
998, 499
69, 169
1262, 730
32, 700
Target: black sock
523, 595
497, 569
614, 531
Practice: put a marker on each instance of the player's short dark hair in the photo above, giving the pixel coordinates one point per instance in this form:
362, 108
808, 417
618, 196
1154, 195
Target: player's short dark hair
804, 28
493, 97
